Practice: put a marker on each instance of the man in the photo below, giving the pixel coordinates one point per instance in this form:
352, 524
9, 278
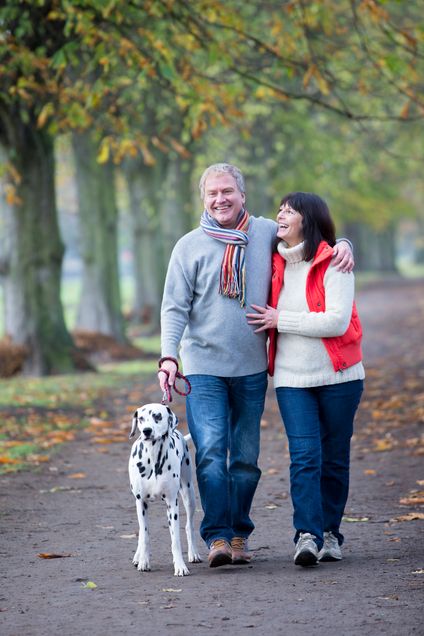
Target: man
216, 272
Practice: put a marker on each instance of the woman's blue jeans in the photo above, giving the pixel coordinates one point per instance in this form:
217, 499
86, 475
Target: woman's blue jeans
319, 426
224, 417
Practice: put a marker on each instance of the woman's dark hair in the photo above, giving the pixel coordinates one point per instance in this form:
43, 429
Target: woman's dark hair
317, 224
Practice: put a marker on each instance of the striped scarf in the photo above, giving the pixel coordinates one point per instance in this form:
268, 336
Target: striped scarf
232, 280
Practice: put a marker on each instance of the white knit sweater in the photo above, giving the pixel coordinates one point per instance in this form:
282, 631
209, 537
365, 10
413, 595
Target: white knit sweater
302, 359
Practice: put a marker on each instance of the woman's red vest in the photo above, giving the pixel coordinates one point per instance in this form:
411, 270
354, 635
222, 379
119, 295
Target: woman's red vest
344, 351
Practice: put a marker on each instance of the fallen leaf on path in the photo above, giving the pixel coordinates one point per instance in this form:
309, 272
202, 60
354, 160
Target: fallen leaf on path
77, 476
355, 519
90, 585
411, 516
171, 589
272, 471
415, 498
52, 555
418, 572
420, 482
392, 597
382, 445
128, 536
411, 501
271, 507
370, 471
9, 460
95, 421
38, 458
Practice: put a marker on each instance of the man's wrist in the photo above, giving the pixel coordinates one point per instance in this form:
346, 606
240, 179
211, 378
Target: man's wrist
170, 359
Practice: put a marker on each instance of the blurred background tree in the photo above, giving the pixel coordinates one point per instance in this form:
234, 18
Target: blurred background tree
318, 95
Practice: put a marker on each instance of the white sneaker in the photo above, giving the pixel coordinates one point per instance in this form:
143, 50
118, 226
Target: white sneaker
306, 552
330, 551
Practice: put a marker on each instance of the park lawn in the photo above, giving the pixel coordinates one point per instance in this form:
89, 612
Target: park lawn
40, 414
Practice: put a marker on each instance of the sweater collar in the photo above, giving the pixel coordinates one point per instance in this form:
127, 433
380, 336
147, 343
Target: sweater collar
294, 254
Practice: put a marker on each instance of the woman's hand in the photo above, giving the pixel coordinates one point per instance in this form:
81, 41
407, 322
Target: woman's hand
265, 318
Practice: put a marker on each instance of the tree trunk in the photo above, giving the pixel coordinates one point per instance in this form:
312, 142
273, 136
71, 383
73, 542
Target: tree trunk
100, 302
143, 197
177, 212
34, 312
373, 251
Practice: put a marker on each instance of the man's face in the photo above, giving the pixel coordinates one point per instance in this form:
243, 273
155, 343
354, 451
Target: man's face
223, 200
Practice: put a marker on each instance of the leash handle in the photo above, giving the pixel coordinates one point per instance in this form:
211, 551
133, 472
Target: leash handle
167, 395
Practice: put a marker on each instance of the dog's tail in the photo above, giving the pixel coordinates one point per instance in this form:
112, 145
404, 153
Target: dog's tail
187, 437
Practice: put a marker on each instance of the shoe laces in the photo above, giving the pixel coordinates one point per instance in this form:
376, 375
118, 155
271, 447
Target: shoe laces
304, 537
331, 538
238, 543
219, 543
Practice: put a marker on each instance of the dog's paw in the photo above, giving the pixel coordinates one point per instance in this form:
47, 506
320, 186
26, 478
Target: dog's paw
143, 566
181, 570
194, 557
141, 563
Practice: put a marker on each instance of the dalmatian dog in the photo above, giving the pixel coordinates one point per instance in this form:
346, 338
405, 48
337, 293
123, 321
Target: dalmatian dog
160, 466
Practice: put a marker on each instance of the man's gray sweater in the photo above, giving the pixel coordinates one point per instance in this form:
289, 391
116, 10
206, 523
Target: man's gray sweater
212, 329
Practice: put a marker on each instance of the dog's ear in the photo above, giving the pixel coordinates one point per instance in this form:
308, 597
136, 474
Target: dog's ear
172, 418
134, 425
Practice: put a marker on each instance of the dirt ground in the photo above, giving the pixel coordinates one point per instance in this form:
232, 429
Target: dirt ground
376, 589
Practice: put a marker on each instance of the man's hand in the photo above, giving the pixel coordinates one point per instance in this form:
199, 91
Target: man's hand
266, 318
343, 257
171, 368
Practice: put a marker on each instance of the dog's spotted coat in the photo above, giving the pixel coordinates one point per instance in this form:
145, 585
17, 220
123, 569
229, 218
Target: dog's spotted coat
160, 466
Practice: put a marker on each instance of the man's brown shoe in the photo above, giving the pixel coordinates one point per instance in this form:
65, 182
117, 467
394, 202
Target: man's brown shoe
220, 553
240, 551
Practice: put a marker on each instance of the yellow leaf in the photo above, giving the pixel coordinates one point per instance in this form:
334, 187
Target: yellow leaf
46, 111
104, 152
370, 471
89, 585
52, 555
77, 476
11, 197
148, 158
355, 519
382, 445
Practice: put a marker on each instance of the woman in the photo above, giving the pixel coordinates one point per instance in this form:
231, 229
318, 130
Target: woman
315, 357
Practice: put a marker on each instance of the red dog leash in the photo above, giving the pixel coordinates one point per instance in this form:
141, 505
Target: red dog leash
167, 395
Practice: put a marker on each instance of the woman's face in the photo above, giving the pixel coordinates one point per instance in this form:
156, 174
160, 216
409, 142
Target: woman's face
289, 225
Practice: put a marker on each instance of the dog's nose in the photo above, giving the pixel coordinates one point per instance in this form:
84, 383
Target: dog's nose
147, 432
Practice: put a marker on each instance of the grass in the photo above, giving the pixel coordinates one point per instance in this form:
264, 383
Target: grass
40, 414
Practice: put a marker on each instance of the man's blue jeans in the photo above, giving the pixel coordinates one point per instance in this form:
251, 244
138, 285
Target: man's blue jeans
224, 417
319, 426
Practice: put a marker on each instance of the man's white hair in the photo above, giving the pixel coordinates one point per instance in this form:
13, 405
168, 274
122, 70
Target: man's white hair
218, 168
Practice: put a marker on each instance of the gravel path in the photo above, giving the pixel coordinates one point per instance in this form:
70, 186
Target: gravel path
376, 589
